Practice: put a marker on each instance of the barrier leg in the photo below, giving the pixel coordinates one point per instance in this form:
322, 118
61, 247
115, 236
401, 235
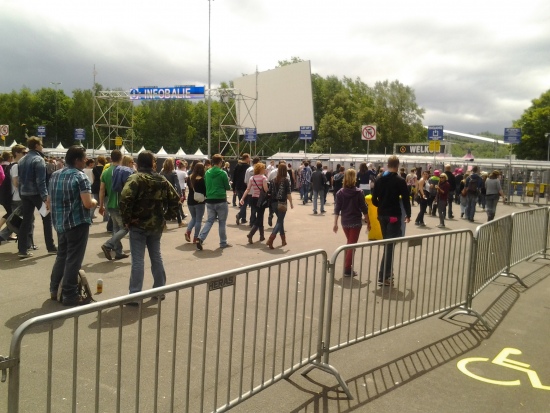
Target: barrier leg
331, 370
467, 311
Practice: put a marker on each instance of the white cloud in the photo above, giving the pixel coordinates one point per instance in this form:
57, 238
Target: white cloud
474, 65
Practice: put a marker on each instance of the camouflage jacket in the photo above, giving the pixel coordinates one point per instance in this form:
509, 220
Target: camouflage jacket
147, 200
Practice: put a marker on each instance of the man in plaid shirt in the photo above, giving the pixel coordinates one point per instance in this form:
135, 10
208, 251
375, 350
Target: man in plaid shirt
70, 202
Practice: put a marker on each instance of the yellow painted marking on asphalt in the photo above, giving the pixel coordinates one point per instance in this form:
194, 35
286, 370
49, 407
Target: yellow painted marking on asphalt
502, 360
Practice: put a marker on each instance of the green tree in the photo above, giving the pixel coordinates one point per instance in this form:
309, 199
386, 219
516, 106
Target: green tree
534, 124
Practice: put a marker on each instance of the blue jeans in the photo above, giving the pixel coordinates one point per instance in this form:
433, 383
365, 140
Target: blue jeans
197, 212
304, 191
389, 230
119, 232
218, 210
242, 208
320, 194
279, 227
28, 204
139, 239
471, 200
70, 254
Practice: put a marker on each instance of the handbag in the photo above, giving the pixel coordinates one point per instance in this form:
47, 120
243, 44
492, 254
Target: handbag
262, 199
281, 206
197, 196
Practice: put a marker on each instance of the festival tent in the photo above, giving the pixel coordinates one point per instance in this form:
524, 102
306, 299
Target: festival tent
142, 149
162, 152
180, 152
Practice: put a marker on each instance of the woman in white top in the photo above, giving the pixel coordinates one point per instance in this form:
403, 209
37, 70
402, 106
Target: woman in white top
256, 184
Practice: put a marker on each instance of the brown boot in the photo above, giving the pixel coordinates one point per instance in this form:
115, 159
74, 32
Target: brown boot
269, 242
251, 234
283, 238
262, 238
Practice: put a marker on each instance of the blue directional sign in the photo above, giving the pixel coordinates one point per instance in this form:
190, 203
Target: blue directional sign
250, 134
306, 132
79, 134
512, 135
41, 132
435, 132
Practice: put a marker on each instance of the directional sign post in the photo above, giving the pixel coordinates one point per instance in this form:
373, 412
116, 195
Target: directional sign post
250, 134
512, 135
41, 132
79, 134
435, 133
368, 133
306, 134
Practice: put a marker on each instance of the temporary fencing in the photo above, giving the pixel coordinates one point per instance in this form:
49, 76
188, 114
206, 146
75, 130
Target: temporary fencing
224, 338
429, 275
218, 340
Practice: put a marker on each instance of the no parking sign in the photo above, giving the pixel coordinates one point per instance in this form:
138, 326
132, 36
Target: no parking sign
368, 133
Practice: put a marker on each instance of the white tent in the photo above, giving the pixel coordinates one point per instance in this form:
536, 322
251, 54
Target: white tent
180, 152
13, 144
60, 147
162, 151
123, 150
142, 150
199, 153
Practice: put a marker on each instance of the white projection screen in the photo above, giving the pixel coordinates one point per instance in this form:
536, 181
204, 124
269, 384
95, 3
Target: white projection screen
285, 99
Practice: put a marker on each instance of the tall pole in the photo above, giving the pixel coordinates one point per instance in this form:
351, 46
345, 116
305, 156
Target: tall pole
209, 99
55, 119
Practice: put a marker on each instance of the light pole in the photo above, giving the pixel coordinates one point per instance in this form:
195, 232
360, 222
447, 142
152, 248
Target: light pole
547, 135
55, 120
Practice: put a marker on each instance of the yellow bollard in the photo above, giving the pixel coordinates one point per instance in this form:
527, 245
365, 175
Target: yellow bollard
375, 232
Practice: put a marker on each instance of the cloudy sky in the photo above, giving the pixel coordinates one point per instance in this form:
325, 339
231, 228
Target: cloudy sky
474, 65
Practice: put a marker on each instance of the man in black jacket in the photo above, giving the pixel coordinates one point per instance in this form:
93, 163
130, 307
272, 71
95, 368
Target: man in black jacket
452, 183
318, 181
240, 184
386, 194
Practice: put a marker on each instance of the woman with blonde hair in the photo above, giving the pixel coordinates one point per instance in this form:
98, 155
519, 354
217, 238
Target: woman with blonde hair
351, 206
256, 184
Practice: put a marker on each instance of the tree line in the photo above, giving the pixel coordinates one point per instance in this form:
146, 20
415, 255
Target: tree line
341, 107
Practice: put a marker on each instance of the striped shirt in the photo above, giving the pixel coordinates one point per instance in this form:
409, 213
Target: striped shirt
67, 209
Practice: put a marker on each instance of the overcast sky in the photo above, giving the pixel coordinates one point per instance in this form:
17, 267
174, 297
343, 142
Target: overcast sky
474, 65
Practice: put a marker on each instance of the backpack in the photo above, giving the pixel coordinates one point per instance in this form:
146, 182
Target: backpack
84, 290
6, 187
473, 185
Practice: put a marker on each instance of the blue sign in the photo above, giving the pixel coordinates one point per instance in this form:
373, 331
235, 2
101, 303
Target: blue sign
250, 134
79, 134
41, 132
435, 132
512, 135
306, 132
172, 92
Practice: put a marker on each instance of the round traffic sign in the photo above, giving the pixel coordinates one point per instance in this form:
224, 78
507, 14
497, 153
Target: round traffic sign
4, 130
368, 133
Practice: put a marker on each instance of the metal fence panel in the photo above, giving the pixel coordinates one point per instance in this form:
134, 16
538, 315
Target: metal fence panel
214, 342
492, 252
430, 276
529, 234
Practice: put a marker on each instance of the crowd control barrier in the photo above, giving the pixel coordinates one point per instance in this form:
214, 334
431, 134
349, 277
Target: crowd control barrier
224, 338
227, 336
430, 276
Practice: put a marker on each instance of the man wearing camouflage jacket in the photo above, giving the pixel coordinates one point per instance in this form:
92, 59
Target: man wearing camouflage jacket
145, 202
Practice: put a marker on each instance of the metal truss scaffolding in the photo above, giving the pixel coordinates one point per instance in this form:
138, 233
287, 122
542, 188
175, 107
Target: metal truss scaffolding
113, 120
230, 143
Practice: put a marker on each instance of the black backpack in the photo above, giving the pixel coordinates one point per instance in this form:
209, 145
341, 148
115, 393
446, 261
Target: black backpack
473, 187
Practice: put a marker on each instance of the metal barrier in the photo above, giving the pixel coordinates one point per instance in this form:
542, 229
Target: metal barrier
224, 338
430, 276
228, 336
529, 236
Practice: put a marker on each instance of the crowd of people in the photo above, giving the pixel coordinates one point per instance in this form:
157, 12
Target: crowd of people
135, 200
